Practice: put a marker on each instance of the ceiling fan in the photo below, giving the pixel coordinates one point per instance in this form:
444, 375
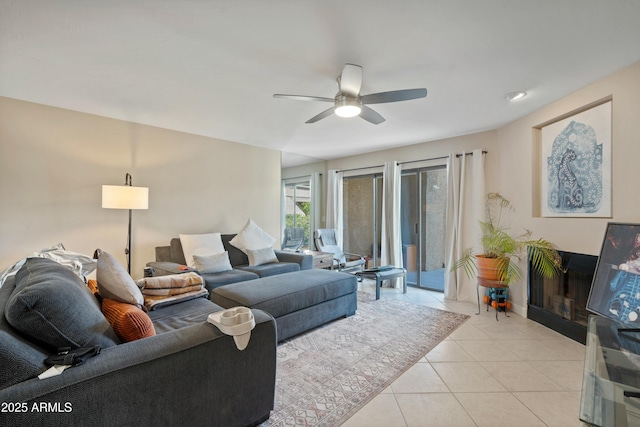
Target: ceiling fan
349, 103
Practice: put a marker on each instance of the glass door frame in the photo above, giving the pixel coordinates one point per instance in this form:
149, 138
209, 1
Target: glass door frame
311, 182
377, 186
419, 226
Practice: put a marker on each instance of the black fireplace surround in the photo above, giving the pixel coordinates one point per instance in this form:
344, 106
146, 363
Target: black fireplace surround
560, 303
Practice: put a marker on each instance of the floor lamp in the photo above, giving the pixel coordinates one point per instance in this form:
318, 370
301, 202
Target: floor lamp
125, 197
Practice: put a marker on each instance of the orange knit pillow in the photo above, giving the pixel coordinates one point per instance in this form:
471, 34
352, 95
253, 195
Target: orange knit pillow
92, 284
129, 322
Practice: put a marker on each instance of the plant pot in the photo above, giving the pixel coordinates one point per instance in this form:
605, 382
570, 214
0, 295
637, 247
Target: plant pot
489, 269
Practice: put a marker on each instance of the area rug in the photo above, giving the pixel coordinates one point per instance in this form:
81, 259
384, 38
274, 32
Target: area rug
326, 375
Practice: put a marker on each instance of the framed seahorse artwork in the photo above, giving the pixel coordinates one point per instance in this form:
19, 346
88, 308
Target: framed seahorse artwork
615, 290
576, 165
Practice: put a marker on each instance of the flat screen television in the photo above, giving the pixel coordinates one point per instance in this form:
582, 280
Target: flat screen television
615, 290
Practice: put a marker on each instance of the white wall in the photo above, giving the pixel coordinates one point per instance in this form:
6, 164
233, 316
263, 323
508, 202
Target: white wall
427, 150
53, 163
520, 162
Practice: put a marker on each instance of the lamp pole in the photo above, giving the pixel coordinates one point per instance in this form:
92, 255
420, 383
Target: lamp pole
127, 250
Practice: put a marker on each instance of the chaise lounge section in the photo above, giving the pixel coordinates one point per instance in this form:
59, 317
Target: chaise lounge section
298, 300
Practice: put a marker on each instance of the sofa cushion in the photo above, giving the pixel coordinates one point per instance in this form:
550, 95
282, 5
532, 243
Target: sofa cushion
178, 316
114, 282
213, 263
128, 321
271, 269
177, 254
20, 358
236, 256
261, 256
252, 237
200, 244
286, 293
52, 305
213, 280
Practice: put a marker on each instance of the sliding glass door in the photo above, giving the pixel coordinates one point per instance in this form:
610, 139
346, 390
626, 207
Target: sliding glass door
362, 210
423, 221
297, 207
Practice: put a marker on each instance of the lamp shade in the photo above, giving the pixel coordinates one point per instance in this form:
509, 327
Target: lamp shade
125, 197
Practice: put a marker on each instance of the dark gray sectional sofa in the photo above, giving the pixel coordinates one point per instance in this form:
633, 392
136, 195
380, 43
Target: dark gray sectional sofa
190, 373
169, 258
296, 295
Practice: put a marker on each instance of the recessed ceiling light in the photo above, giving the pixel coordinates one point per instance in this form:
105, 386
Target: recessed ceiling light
513, 96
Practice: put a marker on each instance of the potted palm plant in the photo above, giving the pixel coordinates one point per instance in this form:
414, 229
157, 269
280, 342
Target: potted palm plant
495, 264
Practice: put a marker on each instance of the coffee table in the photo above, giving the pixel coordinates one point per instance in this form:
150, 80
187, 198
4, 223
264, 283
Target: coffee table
380, 274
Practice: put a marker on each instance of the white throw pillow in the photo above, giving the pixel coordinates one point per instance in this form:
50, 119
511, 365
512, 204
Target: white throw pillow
252, 237
261, 256
200, 244
214, 263
114, 282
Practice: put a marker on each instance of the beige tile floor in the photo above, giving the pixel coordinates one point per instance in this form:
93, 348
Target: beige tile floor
511, 372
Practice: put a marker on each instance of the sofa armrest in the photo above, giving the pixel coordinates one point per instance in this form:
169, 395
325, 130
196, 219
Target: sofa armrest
191, 376
165, 268
305, 261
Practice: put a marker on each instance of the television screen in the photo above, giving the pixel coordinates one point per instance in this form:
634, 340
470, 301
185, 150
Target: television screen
615, 291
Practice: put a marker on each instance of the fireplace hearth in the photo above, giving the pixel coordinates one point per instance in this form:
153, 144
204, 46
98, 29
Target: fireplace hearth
560, 303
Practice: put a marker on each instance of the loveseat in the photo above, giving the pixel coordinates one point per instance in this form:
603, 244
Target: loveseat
189, 373
171, 260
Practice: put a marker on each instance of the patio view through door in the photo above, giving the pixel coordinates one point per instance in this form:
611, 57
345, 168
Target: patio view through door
423, 225
362, 210
297, 208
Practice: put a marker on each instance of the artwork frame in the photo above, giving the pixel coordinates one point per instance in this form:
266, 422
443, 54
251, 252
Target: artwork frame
615, 290
576, 164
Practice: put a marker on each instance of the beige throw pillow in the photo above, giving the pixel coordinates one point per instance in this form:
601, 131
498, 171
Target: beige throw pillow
214, 263
261, 256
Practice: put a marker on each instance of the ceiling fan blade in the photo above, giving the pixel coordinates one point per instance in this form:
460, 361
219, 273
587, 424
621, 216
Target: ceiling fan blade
303, 97
325, 113
371, 116
351, 80
393, 96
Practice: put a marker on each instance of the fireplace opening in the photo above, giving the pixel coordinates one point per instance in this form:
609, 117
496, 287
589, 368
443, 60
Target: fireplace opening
560, 303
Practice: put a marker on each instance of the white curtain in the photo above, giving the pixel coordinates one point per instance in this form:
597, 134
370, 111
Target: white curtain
466, 187
334, 203
316, 196
391, 240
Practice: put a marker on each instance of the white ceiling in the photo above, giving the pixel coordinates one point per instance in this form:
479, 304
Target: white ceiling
210, 67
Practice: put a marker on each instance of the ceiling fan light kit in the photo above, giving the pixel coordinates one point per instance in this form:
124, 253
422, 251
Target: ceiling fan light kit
349, 103
346, 107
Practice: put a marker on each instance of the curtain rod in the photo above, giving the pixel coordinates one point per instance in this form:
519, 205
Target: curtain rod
357, 169
438, 158
302, 176
410, 161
